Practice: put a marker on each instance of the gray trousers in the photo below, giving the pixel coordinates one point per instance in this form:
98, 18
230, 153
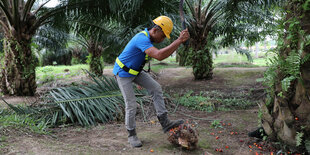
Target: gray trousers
146, 81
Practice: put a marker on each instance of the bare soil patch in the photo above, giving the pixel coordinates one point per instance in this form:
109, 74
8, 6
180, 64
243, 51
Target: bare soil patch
230, 135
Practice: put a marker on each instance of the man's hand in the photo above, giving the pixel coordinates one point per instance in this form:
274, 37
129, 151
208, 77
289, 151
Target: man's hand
168, 50
184, 35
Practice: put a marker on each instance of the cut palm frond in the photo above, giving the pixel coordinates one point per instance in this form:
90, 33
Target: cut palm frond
98, 100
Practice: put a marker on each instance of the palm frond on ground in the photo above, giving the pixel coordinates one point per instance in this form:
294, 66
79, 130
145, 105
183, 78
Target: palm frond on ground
98, 100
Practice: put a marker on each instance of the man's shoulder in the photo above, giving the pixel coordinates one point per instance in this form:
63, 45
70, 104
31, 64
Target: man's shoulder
141, 35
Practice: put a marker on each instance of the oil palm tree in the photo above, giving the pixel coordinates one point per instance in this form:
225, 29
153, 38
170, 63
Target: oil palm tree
286, 112
95, 51
51, 46
96, 35
285, 115
228, 20
90, 103
18, 76
20, 21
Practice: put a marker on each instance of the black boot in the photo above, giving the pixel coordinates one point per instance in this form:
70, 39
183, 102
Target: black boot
258, 133
167, 124
133, 139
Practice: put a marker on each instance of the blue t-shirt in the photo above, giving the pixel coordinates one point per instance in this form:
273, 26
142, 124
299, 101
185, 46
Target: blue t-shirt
133, 55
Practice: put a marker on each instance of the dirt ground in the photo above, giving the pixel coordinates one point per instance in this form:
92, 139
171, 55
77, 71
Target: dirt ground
111, 138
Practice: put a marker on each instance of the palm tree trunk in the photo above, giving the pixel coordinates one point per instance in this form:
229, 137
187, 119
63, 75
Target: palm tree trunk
182, 57
18, 72
202, 65
202, 61
287, 118
95, 63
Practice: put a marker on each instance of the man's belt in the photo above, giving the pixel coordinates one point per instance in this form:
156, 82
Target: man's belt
125, 68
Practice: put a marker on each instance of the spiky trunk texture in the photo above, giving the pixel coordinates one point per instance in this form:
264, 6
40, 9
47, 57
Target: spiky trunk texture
182, 57
202, 62
290, 114
202, 65
95, 63
18, 72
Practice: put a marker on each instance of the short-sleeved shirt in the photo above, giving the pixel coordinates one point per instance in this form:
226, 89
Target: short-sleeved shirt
134, 54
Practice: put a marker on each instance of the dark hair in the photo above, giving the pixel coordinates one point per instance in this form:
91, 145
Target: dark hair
154, 26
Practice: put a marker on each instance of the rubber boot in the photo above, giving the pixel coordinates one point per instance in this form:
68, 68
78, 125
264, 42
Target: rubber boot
258, 133
133, 139
167, 124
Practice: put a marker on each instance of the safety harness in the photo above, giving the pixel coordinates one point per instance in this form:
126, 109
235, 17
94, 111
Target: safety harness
132, 71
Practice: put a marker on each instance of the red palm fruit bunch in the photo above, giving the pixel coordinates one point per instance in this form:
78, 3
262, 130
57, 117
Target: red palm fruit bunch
185, 135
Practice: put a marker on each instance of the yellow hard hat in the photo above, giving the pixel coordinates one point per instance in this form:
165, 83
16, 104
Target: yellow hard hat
165, 23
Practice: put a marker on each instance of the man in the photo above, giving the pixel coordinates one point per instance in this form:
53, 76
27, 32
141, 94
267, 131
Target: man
128, 69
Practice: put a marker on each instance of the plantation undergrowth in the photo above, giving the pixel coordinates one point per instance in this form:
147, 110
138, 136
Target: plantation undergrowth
211, 101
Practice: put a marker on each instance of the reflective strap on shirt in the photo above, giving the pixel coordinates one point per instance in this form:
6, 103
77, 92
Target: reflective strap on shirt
145, 33
129, 70
125, 68
146, 56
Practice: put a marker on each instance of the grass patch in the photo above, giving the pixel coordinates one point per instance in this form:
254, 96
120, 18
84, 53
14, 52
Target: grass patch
215, 101
22, 122
241, 127
61, 69
216, 124
230, 58
148, 135
242, 65
196, 102
157, 68
163, 147
169, 60
233, 59
50, 73
156, 65
3, 143
239, 77
204, 144
261, 62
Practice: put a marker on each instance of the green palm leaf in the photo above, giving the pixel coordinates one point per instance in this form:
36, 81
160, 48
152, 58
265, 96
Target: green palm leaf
98, 100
